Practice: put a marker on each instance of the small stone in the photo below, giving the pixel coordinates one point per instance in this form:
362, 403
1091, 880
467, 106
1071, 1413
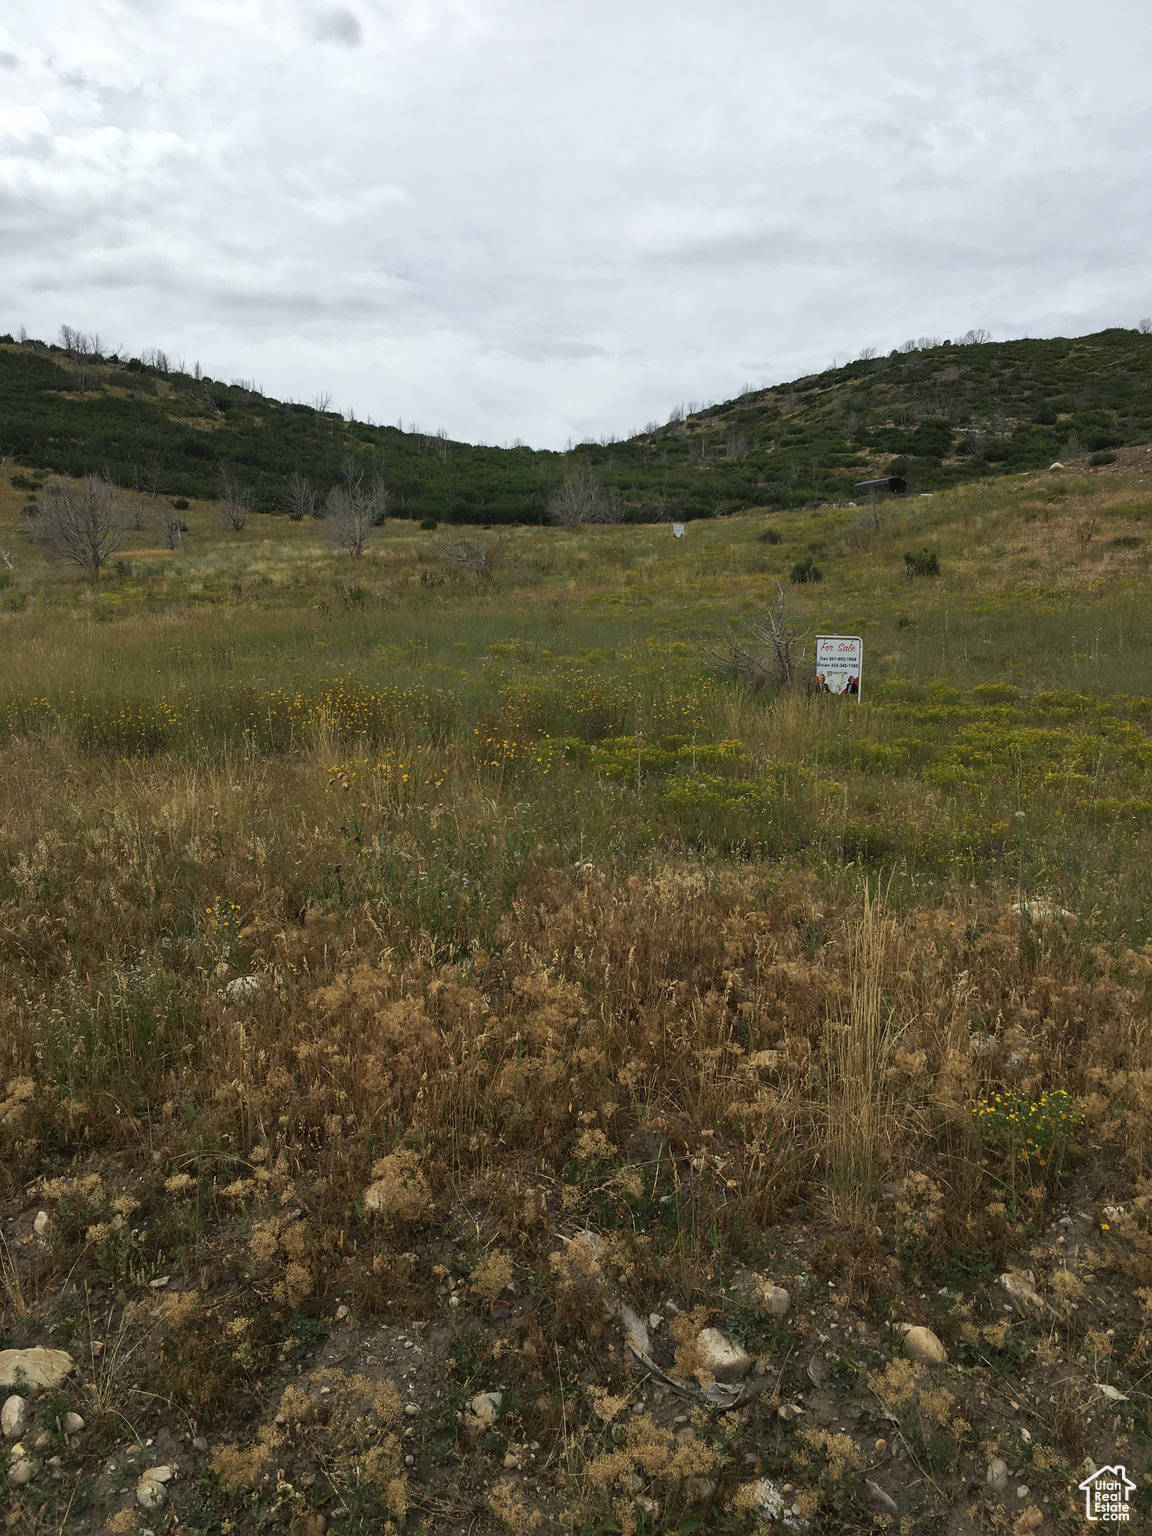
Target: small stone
38, 1370
772, 1300
654, 1320
453, 1301
72, 1423
150, 1493
922, 1344
42, 1225
14, 1416
511, 1459
409, 1461
883, 1500
486, 1405
719, 1356
1023, 1491
23, 1472
200, 1443
997, 1475
41, 1440
412, 1410
341, 1313
1022, 1291
160, 1282
242, 987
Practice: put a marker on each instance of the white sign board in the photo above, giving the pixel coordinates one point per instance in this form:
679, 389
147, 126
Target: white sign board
677, 530
839, 662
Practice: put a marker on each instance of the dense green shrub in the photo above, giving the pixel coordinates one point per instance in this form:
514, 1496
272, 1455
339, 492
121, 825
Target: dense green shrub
806, 570
1103, 456
769, 535
925, 562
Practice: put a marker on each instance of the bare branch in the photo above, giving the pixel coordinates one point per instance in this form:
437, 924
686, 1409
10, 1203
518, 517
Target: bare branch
767, 653
79, 524
233, 508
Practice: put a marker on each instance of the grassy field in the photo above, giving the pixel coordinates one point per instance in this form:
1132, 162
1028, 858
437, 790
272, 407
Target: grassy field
397, 955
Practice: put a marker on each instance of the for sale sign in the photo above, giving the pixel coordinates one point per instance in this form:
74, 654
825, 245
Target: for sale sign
839, 660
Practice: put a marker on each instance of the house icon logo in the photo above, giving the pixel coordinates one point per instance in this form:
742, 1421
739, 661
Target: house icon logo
1106, 1494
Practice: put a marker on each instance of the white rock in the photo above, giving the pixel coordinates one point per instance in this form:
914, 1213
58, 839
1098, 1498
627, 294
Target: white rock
764, 1061
14, 1416
160, 1474
150, 1494
1111, 1393
1041, 911
654, 1320
1023, 1491
922, 1344
773, 1300
1023, 1292
997, 1475
72, 1423
23, 1472
42, 1225
719, 1356
242, 987
635, 1333
883, 1500
1056, 466
770, 1504
1114, 1213
486, 1405
39, 1370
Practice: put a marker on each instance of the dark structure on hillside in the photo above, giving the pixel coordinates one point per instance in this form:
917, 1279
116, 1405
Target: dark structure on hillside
890, 485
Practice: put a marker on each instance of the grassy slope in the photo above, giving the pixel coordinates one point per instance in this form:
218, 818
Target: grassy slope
943, 416
529, 886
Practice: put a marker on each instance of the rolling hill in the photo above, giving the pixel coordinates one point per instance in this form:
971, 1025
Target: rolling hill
938, 414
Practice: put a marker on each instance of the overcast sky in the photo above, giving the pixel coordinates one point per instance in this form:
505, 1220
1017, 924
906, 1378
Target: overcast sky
543, 219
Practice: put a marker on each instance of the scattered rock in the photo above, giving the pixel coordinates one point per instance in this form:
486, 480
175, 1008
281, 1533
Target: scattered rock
635, 1333
922, 1344
150, 1490
200, 1443
511, 1460
720, 1357
1022, 1291
486, 1405
42, 1225
39, 1370
1023, 1491
244, 986
72, 1423
1041, 911
14, 1416
817, 1370
881, 1499
768, 1502
22, 1472
1111, 1393
1052, 468
772, 1300
997, 1475
764, 1061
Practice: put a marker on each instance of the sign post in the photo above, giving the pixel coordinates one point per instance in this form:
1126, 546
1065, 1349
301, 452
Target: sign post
839, 664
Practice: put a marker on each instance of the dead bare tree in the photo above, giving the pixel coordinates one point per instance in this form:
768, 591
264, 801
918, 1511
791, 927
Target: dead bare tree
81, 524
302, 497
581, 498
172, 525
355, 508
766, 653
233, 502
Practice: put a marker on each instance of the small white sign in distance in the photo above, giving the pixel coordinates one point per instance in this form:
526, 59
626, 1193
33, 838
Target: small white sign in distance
839, 664
677, 530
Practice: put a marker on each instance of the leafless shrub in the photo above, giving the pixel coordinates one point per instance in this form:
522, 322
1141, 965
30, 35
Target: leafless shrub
767, 653
172, 525
81, 524
302, 497
233, 504
480, 556
355, 508
582, 498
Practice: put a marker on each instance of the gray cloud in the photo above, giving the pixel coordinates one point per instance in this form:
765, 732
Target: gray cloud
479, 214
338, 25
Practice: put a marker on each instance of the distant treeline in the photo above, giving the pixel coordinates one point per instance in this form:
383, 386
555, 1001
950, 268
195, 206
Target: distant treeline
936, 413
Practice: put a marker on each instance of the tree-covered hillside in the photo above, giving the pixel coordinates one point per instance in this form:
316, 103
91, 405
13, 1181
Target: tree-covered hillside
937, 414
